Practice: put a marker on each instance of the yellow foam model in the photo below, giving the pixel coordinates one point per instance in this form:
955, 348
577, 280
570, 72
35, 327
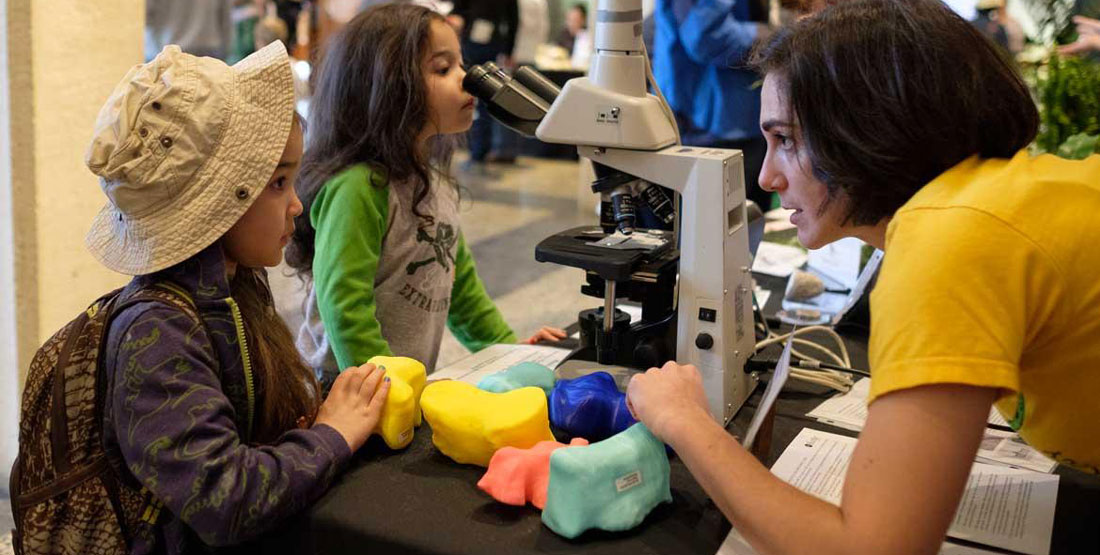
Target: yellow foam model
469, 425
401, 413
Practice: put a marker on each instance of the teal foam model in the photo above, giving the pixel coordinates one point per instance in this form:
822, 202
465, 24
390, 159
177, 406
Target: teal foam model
611, 485
524, 374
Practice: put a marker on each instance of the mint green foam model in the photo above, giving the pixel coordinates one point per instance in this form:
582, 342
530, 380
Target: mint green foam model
524, 374
611, 485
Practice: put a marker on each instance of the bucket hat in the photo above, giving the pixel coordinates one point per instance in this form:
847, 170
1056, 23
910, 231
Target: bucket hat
182, 148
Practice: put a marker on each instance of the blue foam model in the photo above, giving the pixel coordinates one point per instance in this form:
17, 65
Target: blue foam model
590, 406
524, 374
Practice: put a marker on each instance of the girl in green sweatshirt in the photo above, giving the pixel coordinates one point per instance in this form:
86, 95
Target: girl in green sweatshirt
380, 233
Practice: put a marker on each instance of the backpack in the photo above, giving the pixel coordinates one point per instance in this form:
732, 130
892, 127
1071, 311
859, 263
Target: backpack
66, 493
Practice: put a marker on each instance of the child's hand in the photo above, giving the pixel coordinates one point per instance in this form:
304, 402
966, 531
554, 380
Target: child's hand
546, 333
354, 404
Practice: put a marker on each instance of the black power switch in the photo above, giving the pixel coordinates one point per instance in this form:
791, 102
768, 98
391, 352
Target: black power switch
704, 341
708, 315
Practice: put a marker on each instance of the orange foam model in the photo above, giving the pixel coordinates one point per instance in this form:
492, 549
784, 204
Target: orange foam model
518, 476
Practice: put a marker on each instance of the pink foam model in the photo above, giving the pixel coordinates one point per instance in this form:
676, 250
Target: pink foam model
516, 476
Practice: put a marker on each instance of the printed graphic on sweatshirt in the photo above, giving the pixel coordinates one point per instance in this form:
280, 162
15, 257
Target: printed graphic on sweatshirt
429, 274
443, 243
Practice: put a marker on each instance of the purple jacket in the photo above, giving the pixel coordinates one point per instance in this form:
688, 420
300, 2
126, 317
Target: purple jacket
180, 403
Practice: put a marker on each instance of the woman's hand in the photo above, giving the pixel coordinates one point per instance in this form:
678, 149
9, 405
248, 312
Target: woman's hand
354, 404
663, 398
546, 333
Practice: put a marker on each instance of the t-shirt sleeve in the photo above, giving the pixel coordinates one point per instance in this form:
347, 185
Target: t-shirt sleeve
960, 294
349, 216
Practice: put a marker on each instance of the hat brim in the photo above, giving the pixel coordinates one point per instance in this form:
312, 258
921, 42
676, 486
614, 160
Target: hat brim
260, 117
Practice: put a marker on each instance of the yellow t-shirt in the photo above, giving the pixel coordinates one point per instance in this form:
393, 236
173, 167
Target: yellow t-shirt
992, 278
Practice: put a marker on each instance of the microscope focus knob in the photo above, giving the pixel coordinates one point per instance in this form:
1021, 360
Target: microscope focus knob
704, 341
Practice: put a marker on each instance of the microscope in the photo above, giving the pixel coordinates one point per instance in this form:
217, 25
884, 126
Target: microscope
694, 282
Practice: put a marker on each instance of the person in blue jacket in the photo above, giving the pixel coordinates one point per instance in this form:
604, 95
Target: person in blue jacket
700, 50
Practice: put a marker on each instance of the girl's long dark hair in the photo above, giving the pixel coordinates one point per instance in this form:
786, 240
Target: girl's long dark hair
369, 107
289, 394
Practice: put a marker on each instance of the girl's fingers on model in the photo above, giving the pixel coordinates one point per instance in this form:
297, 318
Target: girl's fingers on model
379, 399
370, 384
352, 380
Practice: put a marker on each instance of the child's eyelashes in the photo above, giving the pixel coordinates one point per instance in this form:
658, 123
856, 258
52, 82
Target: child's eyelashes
278, 184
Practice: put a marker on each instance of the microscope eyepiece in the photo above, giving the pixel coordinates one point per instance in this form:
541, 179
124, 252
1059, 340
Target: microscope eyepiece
507, 99
482, 81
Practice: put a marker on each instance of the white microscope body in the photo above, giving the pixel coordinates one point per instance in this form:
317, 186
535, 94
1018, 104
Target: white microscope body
616, 122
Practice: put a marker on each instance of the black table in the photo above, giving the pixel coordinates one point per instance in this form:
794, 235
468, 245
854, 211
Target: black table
419, 501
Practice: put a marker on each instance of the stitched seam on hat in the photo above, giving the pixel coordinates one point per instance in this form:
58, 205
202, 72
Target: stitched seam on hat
173, 128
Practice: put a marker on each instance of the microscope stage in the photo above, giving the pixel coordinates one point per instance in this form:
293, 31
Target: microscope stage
613, 257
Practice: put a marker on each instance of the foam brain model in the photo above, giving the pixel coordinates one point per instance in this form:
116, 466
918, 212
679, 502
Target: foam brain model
611, 485
521, 375
518, 476
469, 425
590, 406
401, 413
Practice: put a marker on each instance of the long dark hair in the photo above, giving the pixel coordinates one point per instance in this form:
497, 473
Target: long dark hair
289, 394
889, 94
369, 107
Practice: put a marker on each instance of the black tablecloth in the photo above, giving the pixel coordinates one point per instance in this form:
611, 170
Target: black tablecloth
419, 501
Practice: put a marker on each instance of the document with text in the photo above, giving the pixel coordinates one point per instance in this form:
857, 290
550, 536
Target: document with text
849, 411
1003, 507
736, 544
495, 358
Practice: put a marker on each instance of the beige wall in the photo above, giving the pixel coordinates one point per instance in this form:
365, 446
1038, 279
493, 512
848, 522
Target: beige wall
80, 50
63, 59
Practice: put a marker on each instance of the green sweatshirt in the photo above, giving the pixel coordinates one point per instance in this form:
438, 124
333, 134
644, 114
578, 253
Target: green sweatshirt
383, 286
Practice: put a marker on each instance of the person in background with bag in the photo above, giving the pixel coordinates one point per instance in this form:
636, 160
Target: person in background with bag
487, 34
212, 425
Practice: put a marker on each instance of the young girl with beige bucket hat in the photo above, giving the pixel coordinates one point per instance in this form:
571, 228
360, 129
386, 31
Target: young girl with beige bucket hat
210, 418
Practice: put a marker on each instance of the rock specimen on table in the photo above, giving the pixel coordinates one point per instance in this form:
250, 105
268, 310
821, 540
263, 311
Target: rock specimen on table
590, 406
401, 413
469, 425
611, 485
524, 374
518, 476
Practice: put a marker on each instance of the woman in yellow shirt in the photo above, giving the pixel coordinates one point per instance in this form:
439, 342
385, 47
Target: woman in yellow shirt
896, 122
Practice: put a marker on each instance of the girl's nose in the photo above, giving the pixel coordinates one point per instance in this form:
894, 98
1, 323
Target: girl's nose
295, 204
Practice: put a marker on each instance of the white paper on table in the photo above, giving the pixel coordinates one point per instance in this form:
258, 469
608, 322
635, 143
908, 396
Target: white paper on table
849, 410
1003, 507
1006, 448
778, 219
762, 295
837, 263
777, 260
779, 377
995, 419
736, 544
499, 357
